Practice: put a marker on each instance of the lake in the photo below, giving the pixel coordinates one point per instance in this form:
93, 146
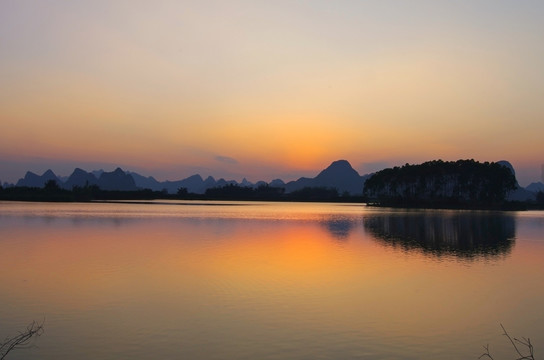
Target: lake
244, 280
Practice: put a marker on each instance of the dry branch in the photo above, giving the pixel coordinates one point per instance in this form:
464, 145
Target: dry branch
515, 342
22, 340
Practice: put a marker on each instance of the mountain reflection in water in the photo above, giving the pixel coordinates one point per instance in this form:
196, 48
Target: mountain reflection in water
465, 234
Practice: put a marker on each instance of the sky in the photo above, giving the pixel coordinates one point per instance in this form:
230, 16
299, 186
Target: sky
269, 89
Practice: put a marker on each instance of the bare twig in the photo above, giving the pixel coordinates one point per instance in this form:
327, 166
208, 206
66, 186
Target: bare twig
22, 340
515, 342
526, 343
486, 347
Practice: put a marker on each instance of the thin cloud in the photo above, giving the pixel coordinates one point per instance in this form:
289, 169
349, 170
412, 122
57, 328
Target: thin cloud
226, 159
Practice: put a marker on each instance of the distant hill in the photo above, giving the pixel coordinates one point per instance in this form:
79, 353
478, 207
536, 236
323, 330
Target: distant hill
34, 180
194, 184
339, 175
535, 187
518, 193
80, 178
143, 182
115, 180
277, 183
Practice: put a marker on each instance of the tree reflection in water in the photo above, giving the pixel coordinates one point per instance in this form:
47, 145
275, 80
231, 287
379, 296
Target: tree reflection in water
461, 234
339, 228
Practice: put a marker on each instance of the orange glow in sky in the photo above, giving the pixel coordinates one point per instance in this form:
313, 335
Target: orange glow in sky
279, 89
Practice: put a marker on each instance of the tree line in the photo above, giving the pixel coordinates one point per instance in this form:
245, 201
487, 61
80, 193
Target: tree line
465, 183
54, 193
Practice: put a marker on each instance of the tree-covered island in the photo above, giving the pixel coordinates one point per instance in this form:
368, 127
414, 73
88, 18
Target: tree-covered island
439, 184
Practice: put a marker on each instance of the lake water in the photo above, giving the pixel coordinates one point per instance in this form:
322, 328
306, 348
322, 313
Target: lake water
235, 280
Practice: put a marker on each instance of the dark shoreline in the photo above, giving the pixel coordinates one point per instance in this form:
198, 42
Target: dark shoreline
93, 193
507, 206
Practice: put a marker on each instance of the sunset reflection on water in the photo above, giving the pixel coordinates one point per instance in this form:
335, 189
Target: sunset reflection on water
258, 281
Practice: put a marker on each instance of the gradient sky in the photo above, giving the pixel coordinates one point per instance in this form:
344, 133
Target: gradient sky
269, 89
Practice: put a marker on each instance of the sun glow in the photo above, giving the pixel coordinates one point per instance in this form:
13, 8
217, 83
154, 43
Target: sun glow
178, 85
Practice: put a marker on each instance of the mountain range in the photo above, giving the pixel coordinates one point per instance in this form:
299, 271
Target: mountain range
339, 174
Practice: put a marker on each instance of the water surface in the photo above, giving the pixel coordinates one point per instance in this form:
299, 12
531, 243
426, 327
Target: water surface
234, 280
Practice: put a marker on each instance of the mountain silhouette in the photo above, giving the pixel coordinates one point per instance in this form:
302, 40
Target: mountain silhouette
535, 187
209, 183
193, 184
339, 175
144, 182
277, 183
34, 180
116, 180
519, 193
80, 178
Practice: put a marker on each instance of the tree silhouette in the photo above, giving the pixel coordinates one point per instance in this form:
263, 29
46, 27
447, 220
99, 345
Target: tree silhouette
459, 182
182, 192
540, 198
51, 185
